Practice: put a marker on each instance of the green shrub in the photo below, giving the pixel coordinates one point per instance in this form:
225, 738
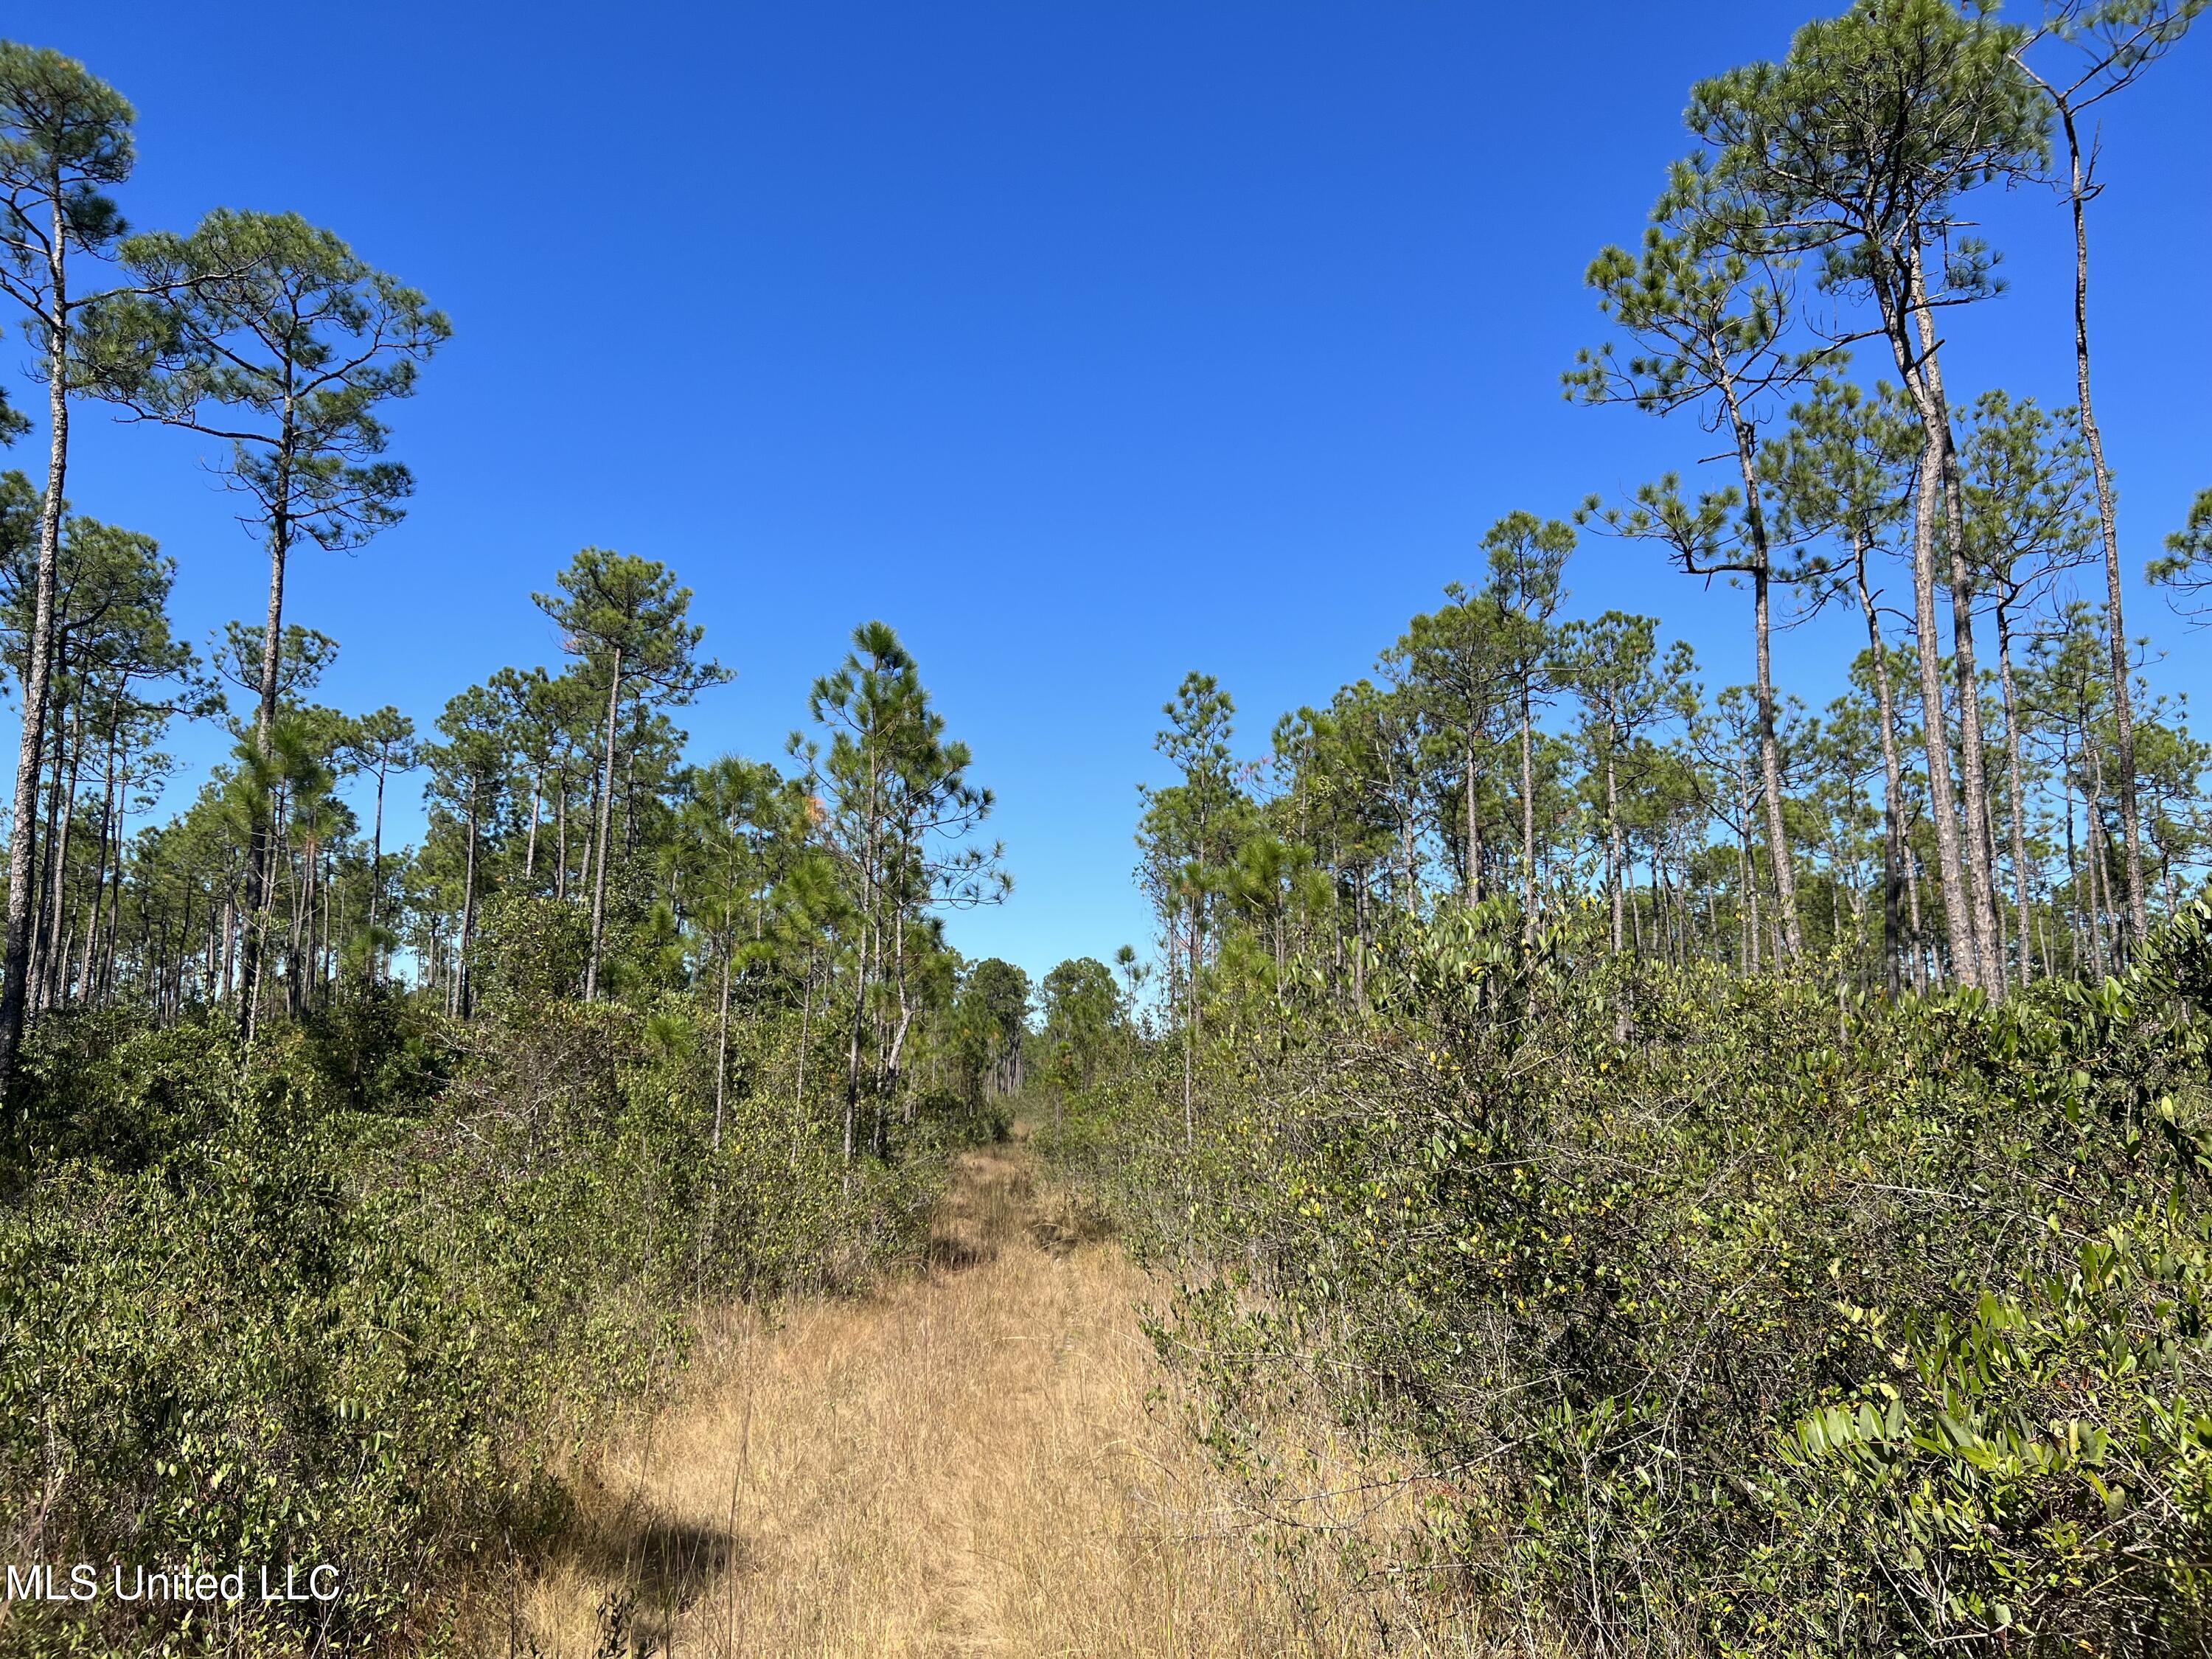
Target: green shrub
316, 1310
1730, 1320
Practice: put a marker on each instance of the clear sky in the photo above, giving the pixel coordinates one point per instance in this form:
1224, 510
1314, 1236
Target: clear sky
1085, 342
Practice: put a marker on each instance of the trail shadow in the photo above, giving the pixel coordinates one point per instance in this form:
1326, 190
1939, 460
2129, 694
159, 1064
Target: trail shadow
950, 1253
1064, 1224
654, 1566
664, 1562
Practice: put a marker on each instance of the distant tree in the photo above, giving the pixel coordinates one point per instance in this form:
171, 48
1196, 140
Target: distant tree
1612, 664
994, 1008
1082, 1016
737, 814
380, 745
1133, 973
272, 334
469, 772
626, 618
1527, 557
109, 634
901, 809
1187, 834
1461, 661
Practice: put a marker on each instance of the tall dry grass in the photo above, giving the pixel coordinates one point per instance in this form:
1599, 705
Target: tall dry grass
976, 1462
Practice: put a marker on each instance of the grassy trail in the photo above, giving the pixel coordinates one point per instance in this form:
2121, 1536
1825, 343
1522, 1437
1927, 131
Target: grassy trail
965, 1463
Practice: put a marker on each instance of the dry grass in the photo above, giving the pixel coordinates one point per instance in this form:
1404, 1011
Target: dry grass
971, 1462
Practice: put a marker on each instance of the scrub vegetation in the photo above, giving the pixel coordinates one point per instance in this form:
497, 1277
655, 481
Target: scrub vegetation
1597, 1162
1747, 1161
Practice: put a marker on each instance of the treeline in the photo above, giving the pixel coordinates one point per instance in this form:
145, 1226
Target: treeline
1741, 1164
1499, 748
268, 894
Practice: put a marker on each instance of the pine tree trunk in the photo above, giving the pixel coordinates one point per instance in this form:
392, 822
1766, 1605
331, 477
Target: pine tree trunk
605, 828
1528, 810
530, 848
2093, 824
260, 864
1471, 883
465, 992
2124, 721
16, 946
722, 1045
1613, 873
1892, 779
99, 857
61, 809
1770, 758
2015, 775
1942, 800
560, 841
1973, 782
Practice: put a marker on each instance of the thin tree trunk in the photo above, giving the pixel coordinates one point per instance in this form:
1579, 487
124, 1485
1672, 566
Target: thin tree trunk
1748, 910
99, 858
1973, 783
2073, 876
2014, 775
806, 1036
1893, 779
530, 848
376, 877
1190, 1037
853, 1052
1769, 758
300, 967
1472, 885
1942, 802
1919, 934
115, 907
61, 809
262, 844
1612, 873
1528, 810
2092, 824
560, 841
606, 828
722, 1045
15, 947
463, 994
2124, 721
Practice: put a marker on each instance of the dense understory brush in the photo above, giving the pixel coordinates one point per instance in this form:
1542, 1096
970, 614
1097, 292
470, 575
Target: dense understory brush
348, 1303
1720, 1317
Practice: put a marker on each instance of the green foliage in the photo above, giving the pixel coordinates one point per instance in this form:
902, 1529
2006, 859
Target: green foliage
1728, 1318
1084, 1020
244, 1320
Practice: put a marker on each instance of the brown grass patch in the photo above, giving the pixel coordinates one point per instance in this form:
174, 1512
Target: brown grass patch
974, 1461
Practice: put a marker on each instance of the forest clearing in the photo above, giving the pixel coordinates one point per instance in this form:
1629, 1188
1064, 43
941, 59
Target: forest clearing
1604, 1048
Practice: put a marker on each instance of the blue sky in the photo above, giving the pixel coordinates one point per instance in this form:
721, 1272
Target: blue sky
1085, 343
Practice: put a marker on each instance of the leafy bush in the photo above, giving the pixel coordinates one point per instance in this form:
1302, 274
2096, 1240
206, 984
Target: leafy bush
1725, 1318
243, 1320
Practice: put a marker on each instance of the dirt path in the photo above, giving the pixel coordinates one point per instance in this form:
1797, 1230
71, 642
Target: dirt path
965, 1464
